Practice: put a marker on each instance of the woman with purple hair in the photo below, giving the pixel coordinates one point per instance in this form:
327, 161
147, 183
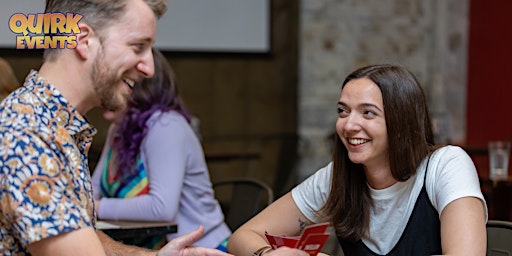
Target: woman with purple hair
152, 167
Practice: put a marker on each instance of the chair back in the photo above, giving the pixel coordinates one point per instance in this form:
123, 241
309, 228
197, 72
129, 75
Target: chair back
247, 197
499, 238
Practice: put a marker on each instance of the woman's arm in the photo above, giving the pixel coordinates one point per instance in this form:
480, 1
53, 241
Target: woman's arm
460, 201
282, 217
463, 230
165, 151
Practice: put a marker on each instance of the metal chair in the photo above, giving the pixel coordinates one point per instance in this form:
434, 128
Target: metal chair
246, 197
499, 238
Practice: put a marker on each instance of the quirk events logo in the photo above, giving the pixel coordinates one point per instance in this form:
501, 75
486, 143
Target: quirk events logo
45, 30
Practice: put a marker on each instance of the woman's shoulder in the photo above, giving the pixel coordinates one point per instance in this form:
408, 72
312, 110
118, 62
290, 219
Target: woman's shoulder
450, 151
167, 117
450, 160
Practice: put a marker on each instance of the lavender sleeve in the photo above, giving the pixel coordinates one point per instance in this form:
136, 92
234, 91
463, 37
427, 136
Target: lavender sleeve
164, 152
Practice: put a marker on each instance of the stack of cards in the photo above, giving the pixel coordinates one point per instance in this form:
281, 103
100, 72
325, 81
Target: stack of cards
311, 240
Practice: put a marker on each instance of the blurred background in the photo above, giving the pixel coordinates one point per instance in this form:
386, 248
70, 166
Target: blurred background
269, 113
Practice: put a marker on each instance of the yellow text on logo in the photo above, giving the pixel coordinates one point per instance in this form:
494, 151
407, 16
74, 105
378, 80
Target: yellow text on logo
45, 30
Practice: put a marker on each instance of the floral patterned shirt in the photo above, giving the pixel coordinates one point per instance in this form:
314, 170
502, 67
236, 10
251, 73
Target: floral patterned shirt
45, 185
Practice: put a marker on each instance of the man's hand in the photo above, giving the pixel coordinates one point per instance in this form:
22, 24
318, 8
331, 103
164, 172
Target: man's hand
181, 246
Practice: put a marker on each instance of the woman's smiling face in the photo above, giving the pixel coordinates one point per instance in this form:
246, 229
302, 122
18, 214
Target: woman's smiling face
361, 123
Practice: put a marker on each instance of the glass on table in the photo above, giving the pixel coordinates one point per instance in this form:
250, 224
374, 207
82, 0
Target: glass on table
499, 153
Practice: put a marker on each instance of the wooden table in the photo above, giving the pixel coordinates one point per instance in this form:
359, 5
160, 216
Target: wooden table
120, 230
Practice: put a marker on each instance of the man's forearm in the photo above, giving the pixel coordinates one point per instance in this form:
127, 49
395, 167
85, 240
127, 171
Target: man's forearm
114, 248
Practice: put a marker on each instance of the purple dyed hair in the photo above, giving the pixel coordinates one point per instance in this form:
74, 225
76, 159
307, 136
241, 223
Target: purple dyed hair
149, 95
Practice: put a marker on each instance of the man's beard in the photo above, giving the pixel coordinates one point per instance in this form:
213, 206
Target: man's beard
105, 84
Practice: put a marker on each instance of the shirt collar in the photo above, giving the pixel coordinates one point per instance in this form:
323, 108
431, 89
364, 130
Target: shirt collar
66, 115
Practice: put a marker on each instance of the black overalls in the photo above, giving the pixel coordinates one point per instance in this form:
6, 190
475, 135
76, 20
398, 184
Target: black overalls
422, 235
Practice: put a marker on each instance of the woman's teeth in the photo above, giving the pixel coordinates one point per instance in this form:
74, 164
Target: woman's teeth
357, 141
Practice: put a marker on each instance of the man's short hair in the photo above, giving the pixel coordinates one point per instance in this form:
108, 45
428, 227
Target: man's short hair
98, 14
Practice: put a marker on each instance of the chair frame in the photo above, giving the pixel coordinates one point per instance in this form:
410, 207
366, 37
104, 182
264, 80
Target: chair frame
245, 201
499, 224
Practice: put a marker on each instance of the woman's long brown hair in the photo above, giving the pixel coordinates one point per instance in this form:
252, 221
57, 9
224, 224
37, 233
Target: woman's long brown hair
410, 140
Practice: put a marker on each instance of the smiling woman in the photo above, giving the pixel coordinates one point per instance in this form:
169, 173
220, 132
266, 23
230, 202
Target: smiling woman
361, 124
389, 190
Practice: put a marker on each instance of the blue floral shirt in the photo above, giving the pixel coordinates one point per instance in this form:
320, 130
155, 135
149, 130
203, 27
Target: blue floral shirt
45, 185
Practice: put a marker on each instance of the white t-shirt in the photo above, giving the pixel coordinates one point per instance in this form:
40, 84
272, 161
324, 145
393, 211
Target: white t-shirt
451, 175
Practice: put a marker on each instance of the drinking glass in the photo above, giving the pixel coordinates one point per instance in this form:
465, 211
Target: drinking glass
499, 153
